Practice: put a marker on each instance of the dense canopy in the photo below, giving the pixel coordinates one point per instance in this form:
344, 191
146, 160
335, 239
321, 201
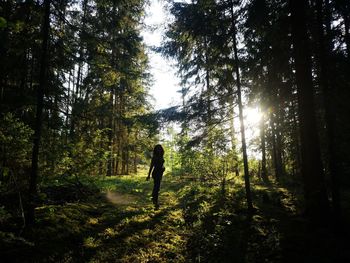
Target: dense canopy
256, 152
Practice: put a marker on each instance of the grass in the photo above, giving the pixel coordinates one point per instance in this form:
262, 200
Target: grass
114, 221
115, 224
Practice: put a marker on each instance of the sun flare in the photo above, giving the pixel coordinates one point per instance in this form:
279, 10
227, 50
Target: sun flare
252, 116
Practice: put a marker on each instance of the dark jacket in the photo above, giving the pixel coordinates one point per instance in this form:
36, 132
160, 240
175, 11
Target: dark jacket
158, 166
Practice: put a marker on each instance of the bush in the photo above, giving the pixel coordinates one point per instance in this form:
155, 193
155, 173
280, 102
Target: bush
15, 153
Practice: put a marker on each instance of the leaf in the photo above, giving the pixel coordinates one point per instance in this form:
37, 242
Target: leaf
3, 22
6, 171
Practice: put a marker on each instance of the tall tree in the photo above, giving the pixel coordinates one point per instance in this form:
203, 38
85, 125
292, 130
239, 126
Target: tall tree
326, 80
39, 112
316, 201
240, 108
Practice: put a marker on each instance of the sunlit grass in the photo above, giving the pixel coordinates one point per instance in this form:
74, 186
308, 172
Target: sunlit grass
92, 221
91, 242
197, 221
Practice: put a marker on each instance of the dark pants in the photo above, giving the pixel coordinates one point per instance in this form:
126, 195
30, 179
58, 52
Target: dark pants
156, 186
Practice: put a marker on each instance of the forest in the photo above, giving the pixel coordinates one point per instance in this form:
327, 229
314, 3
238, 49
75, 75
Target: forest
256, 150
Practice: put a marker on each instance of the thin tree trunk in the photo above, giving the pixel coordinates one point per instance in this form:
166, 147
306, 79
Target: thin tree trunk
279, 139
67, 108
296, 141
209, 93
316, 201
273, 83
117, 163
127, 160
263, 149
110, 133
274, 147
279, 160
135, 152
234, 160
39, 113
240, 108
135, 162
101, 163
347, 32
75, 94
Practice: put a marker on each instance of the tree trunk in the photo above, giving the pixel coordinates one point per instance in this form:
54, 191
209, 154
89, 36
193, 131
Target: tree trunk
316, 201
75, 94
279, 139
274, 147
67, 108
110, 134
39, 113
324, 49
208, 97
346, 19
127, 160
240, 108
135, 152
117, 163
296, 141
273, 84
135, 162
279, 160
263, 149
234, 160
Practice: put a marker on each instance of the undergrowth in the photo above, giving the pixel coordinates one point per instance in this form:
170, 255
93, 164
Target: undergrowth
112, 219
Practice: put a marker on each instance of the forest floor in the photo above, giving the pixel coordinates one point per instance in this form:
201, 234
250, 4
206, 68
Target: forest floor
115, 221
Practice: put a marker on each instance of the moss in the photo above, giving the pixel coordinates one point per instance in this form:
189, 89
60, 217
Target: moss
196, 222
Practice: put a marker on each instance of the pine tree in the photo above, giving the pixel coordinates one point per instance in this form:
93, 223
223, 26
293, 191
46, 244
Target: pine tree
316, 201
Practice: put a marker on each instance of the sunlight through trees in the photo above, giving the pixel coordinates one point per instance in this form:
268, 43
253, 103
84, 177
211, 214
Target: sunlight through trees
256, 146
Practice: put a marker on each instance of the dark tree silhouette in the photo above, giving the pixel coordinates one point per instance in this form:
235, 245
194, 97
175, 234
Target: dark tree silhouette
316, 201
240, 108
39, 113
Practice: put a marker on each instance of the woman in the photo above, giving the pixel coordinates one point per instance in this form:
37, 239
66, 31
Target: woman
157, 173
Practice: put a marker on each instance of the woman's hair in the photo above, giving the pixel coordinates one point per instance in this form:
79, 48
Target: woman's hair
158, 151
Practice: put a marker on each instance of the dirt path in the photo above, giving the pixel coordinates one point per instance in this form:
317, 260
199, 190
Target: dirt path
119, 198
128, 229
118, 224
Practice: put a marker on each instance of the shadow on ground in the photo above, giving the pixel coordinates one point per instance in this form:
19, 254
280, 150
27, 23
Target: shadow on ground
113, 226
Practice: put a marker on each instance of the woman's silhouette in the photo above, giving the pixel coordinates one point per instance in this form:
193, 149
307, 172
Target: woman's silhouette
157, 165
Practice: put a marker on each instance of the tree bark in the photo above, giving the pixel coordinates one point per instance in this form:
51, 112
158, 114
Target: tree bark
240, 108
296, 139
316, 201
324, 49
135, 150
346, 18
75, 94
263, 149
208, 97
274, 147
273, 84
110, 166
39, 113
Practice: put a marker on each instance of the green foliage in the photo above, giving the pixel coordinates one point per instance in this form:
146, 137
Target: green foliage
15, 138
4, 215
221, 229
16, 146
96, 99
205, 166
87, 154
196, 222
97, 121
3, 23
119, 220
8, 241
